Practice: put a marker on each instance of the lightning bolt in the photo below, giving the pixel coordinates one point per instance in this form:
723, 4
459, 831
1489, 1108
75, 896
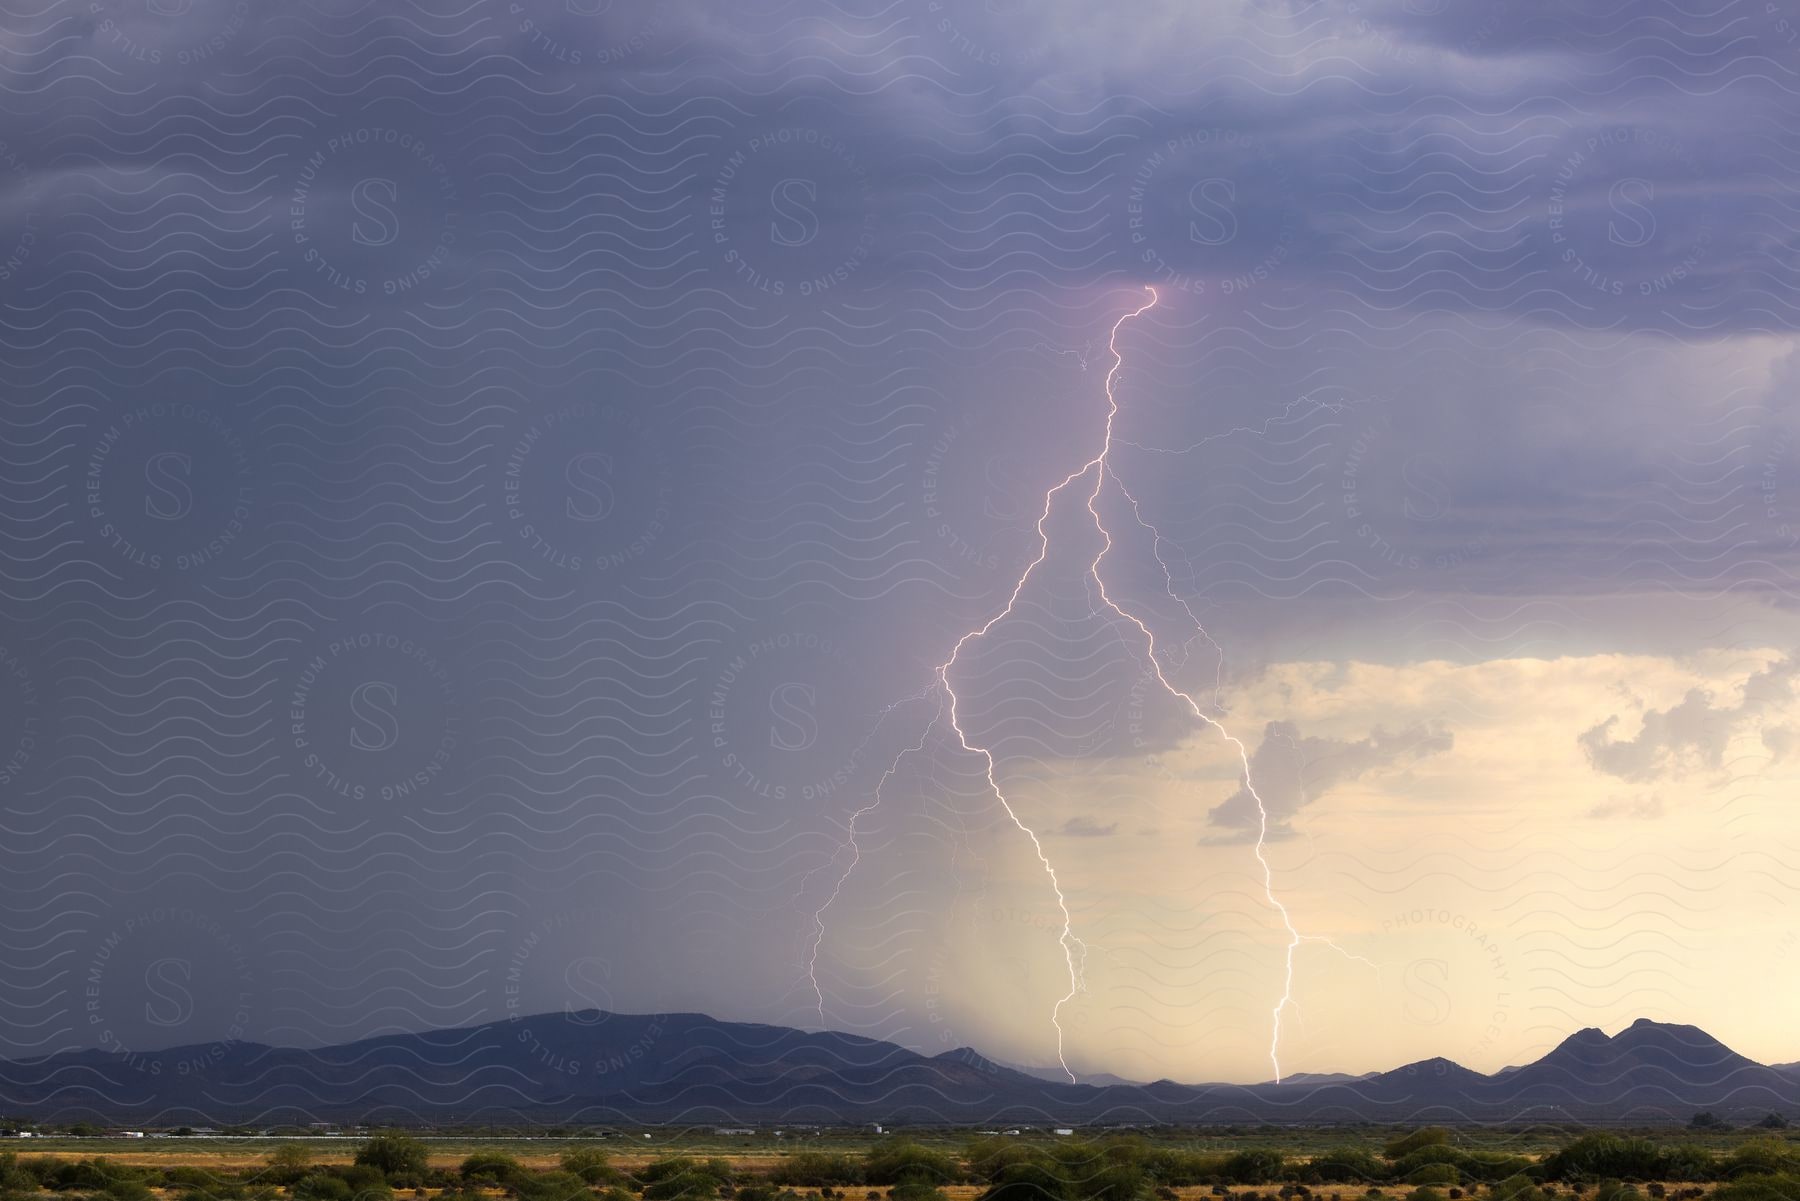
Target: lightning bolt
1067, 940
849, 843
1099, 467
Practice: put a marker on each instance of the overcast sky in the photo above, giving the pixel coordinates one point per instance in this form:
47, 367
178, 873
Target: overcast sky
488, 485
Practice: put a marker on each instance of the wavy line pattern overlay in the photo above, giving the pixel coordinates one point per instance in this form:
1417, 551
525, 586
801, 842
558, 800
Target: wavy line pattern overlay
490, 487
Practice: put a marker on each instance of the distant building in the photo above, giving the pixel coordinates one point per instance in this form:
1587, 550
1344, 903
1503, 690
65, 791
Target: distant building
733, 1130
1062, 1130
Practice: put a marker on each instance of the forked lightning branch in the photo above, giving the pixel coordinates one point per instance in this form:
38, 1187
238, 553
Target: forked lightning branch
1099, 471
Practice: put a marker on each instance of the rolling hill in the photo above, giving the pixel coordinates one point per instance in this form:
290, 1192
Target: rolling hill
596, 1067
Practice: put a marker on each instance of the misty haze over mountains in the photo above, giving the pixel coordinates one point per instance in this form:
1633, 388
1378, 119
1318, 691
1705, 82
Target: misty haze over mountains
591, 1066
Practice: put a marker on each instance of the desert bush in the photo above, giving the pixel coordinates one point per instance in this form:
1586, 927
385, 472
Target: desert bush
321, 1186
1758, 1157
286, 1164
13, 1178
1028, 1181
1115, 1182
1430, 1174
557, 1186
183, 1176
1607, 1156
1346, 1165
1491, 1166
592, 1165
1253, 1167
1183, 1169
490, 1167
1425, 1136
400, 1158
813, 1169
901, 1160
684, 1179
988, 1158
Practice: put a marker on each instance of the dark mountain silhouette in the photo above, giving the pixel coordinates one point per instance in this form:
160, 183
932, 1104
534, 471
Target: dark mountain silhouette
628, 1069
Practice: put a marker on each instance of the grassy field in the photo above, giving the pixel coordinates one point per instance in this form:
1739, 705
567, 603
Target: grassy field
632, 1149
1264, 1163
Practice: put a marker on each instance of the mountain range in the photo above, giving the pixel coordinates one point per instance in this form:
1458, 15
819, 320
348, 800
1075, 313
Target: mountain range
647, 1069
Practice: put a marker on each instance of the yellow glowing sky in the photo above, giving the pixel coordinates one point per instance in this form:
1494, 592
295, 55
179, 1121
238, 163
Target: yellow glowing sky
1487, 899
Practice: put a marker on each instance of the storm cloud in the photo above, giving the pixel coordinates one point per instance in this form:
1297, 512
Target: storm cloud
489, 487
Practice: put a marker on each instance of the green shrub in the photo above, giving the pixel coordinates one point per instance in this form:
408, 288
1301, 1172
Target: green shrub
560, 1186
365, 1180
684, 1179
1346, 1165
1431, 1173
1758, 1157
96, 1175
1607, 1156
43, 1171
1517, 1188
1182, 1169
1688, 1162
662, 1169
490, 1167
1116, 1182
286, 1164
400, 1158
321, 1186
197, 1179
13, 1178
989, 1158
591, 1164
1028, 1181
1493, 1166
1253, 1167
917, 1190
1426, 1136
900, 1160
813, 1169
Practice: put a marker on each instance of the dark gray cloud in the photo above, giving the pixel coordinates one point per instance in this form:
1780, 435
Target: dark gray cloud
1291, 770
